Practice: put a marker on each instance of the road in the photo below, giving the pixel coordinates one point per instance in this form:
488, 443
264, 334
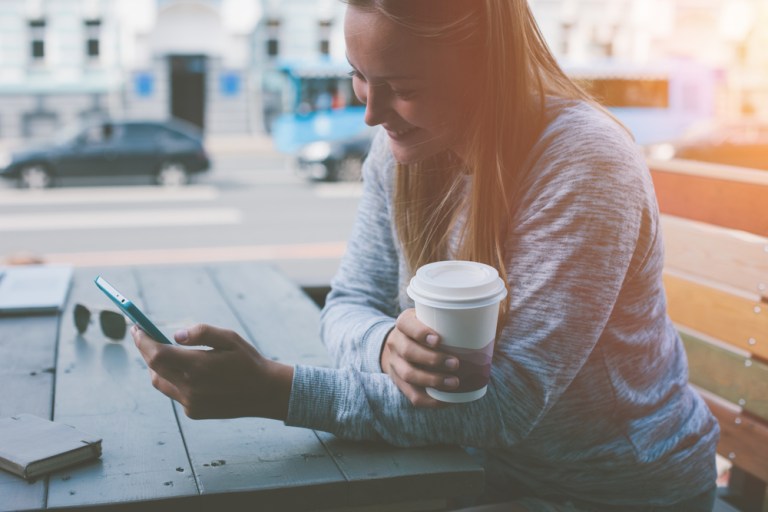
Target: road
251, 206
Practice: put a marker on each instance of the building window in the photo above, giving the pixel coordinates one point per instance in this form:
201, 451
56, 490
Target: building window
325, 36
93, 38
37, 39
273, 33
273, 47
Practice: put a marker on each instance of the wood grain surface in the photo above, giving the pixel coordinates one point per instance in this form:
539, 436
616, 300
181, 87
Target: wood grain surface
154, 457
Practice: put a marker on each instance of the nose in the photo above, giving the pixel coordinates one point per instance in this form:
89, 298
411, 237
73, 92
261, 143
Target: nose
376, 104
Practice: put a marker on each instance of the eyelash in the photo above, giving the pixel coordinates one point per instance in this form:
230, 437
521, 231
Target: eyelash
402, 94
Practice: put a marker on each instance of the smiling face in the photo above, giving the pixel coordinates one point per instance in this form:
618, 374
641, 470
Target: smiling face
419, 92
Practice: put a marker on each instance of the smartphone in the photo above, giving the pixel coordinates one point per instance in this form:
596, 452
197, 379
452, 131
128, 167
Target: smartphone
132, 311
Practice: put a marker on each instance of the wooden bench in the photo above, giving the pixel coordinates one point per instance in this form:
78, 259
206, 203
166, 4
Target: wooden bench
715, 222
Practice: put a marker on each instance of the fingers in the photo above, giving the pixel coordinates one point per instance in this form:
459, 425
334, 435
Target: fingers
208, 335
168, 361
424, 352
413, 328
166, 387
418, 376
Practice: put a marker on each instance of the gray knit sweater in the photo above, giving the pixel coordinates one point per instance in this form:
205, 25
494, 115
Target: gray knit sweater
588, 394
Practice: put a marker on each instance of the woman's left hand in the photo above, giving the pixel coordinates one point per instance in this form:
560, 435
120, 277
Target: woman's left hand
231, 379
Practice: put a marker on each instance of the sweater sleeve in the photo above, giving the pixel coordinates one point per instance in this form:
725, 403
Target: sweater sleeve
571, 244
361, 308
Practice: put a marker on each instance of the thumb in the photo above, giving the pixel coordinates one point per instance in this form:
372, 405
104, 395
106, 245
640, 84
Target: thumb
207, 335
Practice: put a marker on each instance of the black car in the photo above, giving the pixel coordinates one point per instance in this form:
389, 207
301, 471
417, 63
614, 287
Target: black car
169, 152
743, 144
335, 160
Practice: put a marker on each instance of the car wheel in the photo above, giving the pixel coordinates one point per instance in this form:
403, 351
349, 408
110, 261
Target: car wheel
350, 169
172, 174
35, 177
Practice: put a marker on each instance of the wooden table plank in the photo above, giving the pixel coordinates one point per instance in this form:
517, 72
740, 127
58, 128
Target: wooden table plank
247, 461
157, 459
27, 363
260, 296
103, 388
379, 473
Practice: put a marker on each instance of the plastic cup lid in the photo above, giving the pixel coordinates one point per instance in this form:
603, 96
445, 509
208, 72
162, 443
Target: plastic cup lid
458, 283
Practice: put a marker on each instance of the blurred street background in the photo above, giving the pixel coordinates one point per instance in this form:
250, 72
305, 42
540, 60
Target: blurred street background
262, 86
250, 206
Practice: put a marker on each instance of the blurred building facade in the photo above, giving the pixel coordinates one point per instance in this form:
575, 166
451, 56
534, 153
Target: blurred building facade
201, 60
728, 35
64, 61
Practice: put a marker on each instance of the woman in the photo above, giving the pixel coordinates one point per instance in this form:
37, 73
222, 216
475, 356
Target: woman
489, 153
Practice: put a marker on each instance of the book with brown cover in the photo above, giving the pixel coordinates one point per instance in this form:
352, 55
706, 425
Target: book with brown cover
31, 446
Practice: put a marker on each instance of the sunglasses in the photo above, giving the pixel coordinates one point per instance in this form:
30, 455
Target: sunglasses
113, 324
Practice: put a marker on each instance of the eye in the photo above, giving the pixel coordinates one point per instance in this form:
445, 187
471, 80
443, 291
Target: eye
356, 74
404, 94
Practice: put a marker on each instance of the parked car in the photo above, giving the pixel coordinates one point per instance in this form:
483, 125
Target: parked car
337, 160
741, 144
167, 151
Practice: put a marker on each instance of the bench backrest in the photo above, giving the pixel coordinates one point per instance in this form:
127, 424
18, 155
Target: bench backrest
715, 222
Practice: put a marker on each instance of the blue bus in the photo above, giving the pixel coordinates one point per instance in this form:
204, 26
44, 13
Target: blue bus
307, 101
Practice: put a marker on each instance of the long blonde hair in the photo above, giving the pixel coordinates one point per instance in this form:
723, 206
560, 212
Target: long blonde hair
517, 72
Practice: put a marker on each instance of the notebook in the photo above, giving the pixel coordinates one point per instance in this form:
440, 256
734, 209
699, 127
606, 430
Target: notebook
34, 288
31, 446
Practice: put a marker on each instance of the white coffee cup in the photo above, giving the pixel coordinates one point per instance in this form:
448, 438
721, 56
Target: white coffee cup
460, 301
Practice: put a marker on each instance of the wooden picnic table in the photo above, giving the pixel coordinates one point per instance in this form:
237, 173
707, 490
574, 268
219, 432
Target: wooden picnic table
154, 457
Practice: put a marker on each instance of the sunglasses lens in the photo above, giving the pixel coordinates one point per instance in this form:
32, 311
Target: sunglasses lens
82, 317
113, 324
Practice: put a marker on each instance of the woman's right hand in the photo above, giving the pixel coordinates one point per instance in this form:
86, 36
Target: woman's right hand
411, 359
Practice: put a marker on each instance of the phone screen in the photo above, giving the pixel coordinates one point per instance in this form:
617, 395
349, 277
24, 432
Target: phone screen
132, 311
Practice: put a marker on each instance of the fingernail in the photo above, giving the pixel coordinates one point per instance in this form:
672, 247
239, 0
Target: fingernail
432, 339
451, 382
452, 363
181, 335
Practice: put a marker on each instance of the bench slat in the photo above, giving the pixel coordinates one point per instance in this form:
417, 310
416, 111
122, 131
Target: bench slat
727, 374
743, 439
725, 255
733, 319
716, 279
711, 199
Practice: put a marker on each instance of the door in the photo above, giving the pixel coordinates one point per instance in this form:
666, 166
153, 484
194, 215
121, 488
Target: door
188, 88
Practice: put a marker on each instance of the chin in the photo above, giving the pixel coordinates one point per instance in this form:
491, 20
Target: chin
405, 154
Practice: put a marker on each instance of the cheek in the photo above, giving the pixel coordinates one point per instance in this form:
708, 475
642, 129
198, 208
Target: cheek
433, 115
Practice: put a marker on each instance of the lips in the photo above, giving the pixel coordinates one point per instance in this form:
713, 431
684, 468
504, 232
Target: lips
400, 134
